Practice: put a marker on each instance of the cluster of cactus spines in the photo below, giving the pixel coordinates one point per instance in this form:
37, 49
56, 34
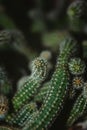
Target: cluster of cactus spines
57, 93
30, 87
5, 84
20, 118
39, 69
77, 16
3, 107
77, 66
78, 82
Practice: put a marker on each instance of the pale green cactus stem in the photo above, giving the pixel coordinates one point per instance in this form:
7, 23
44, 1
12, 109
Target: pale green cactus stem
57, 93
30, 87
22, 115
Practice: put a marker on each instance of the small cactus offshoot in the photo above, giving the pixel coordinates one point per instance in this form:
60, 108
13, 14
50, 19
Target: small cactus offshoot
77, 66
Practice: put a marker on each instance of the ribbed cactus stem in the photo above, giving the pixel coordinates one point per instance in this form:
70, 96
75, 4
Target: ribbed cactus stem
22, 115
78, 110
56, 95
80, 106
30, 87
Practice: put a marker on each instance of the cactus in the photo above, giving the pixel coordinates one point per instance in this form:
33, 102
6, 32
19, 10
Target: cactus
80, 106
77, 16
39, 71
22, 115
35, 101
59, 85
78, 109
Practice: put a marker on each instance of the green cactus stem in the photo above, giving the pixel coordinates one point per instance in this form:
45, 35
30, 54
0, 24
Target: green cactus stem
22, 115
31, 117
57, 93
78, 109
30, 87
80, 106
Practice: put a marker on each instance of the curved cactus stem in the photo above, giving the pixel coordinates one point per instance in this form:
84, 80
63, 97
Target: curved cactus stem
30, 87
57, 93
78, 110
22, 115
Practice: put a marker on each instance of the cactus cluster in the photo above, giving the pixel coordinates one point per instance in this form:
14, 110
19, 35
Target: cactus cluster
37, 102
